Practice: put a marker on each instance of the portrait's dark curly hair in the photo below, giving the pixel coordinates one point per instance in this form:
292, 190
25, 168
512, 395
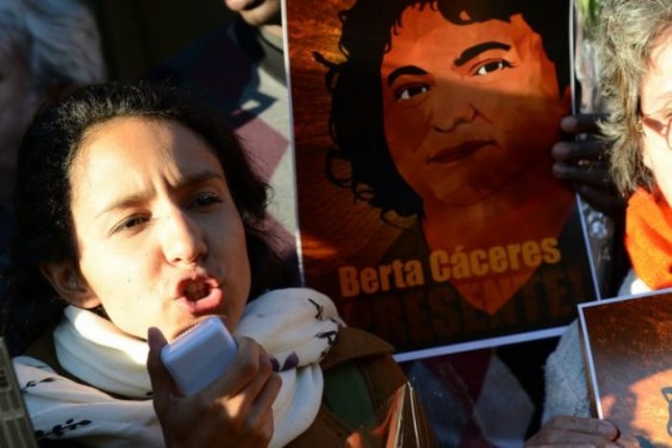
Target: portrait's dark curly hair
356, 121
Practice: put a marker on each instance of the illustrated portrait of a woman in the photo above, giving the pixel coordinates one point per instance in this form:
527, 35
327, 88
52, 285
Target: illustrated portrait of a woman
446, 111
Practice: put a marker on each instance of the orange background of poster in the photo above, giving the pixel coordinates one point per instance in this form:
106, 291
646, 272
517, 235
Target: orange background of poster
354, 230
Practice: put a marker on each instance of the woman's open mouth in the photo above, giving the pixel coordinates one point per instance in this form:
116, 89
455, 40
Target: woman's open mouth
196, 290
200, 296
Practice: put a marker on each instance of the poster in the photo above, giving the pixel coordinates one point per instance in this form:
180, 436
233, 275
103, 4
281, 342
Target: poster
426, 204
627, 346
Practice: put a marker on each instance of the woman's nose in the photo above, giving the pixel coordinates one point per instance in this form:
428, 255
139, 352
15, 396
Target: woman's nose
452, 107
183, 240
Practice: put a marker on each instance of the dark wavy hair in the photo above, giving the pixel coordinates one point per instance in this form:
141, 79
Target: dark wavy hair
356, 121
44, 231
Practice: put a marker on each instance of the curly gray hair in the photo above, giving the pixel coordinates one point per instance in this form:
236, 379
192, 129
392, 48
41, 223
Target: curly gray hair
628, 30
47, 45
59, 39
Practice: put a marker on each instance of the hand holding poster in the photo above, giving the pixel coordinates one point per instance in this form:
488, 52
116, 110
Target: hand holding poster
427, 207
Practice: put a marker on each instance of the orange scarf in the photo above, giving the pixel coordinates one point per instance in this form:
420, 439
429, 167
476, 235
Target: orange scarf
648, 238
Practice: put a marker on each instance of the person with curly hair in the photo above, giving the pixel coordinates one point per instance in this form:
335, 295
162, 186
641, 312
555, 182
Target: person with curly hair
457, 107
139, 216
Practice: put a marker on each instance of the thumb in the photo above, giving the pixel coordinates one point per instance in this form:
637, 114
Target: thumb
162, 382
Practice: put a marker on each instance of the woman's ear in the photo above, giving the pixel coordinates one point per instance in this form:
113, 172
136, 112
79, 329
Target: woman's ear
69, 284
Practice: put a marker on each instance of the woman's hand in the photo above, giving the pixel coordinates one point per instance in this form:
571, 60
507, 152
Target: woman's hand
573, 432
584, 163
235, 410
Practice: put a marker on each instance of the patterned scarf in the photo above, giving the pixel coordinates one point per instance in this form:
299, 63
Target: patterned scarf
648, 238
295, 326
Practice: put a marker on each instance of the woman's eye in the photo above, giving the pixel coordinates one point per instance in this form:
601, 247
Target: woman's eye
205, 199
406, 93
493, 66
131, 223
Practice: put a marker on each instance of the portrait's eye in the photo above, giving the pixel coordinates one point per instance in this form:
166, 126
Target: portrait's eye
408, 92
492, 66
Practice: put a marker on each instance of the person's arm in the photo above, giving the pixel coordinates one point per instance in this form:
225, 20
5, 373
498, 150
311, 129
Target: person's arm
584, 163
235, 410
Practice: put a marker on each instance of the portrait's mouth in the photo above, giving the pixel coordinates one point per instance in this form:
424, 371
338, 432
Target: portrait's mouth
459, 152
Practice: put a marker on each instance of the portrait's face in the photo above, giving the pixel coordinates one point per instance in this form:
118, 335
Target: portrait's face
467, 108
656, 95
159, 239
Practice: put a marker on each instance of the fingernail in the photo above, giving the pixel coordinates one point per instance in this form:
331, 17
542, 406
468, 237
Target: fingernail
560, 151
275, 365
559, 170
608, 430
569, 123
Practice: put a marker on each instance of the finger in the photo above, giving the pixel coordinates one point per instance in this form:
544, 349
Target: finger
609, 204
240, 5
262, 433
162, 383
596, 175
247, 397
260, 419
582, 123
563, 445
268, 393
567, 151
601, 444
244, 370
603, 428
574, 439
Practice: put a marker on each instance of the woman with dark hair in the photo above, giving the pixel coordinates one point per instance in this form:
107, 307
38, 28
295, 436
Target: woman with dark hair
140, 216
445, 94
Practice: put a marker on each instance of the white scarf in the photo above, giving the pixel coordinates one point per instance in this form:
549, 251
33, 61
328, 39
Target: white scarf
295, 326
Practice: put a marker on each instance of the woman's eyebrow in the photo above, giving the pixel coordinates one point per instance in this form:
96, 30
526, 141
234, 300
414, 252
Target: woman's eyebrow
198, 178
139, 198
405, 70
474, 51
123, 203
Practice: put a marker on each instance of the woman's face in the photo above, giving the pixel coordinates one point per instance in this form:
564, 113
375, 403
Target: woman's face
160, 241
656, 95
464, 119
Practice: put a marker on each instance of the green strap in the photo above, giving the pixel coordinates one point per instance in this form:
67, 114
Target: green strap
346, 394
